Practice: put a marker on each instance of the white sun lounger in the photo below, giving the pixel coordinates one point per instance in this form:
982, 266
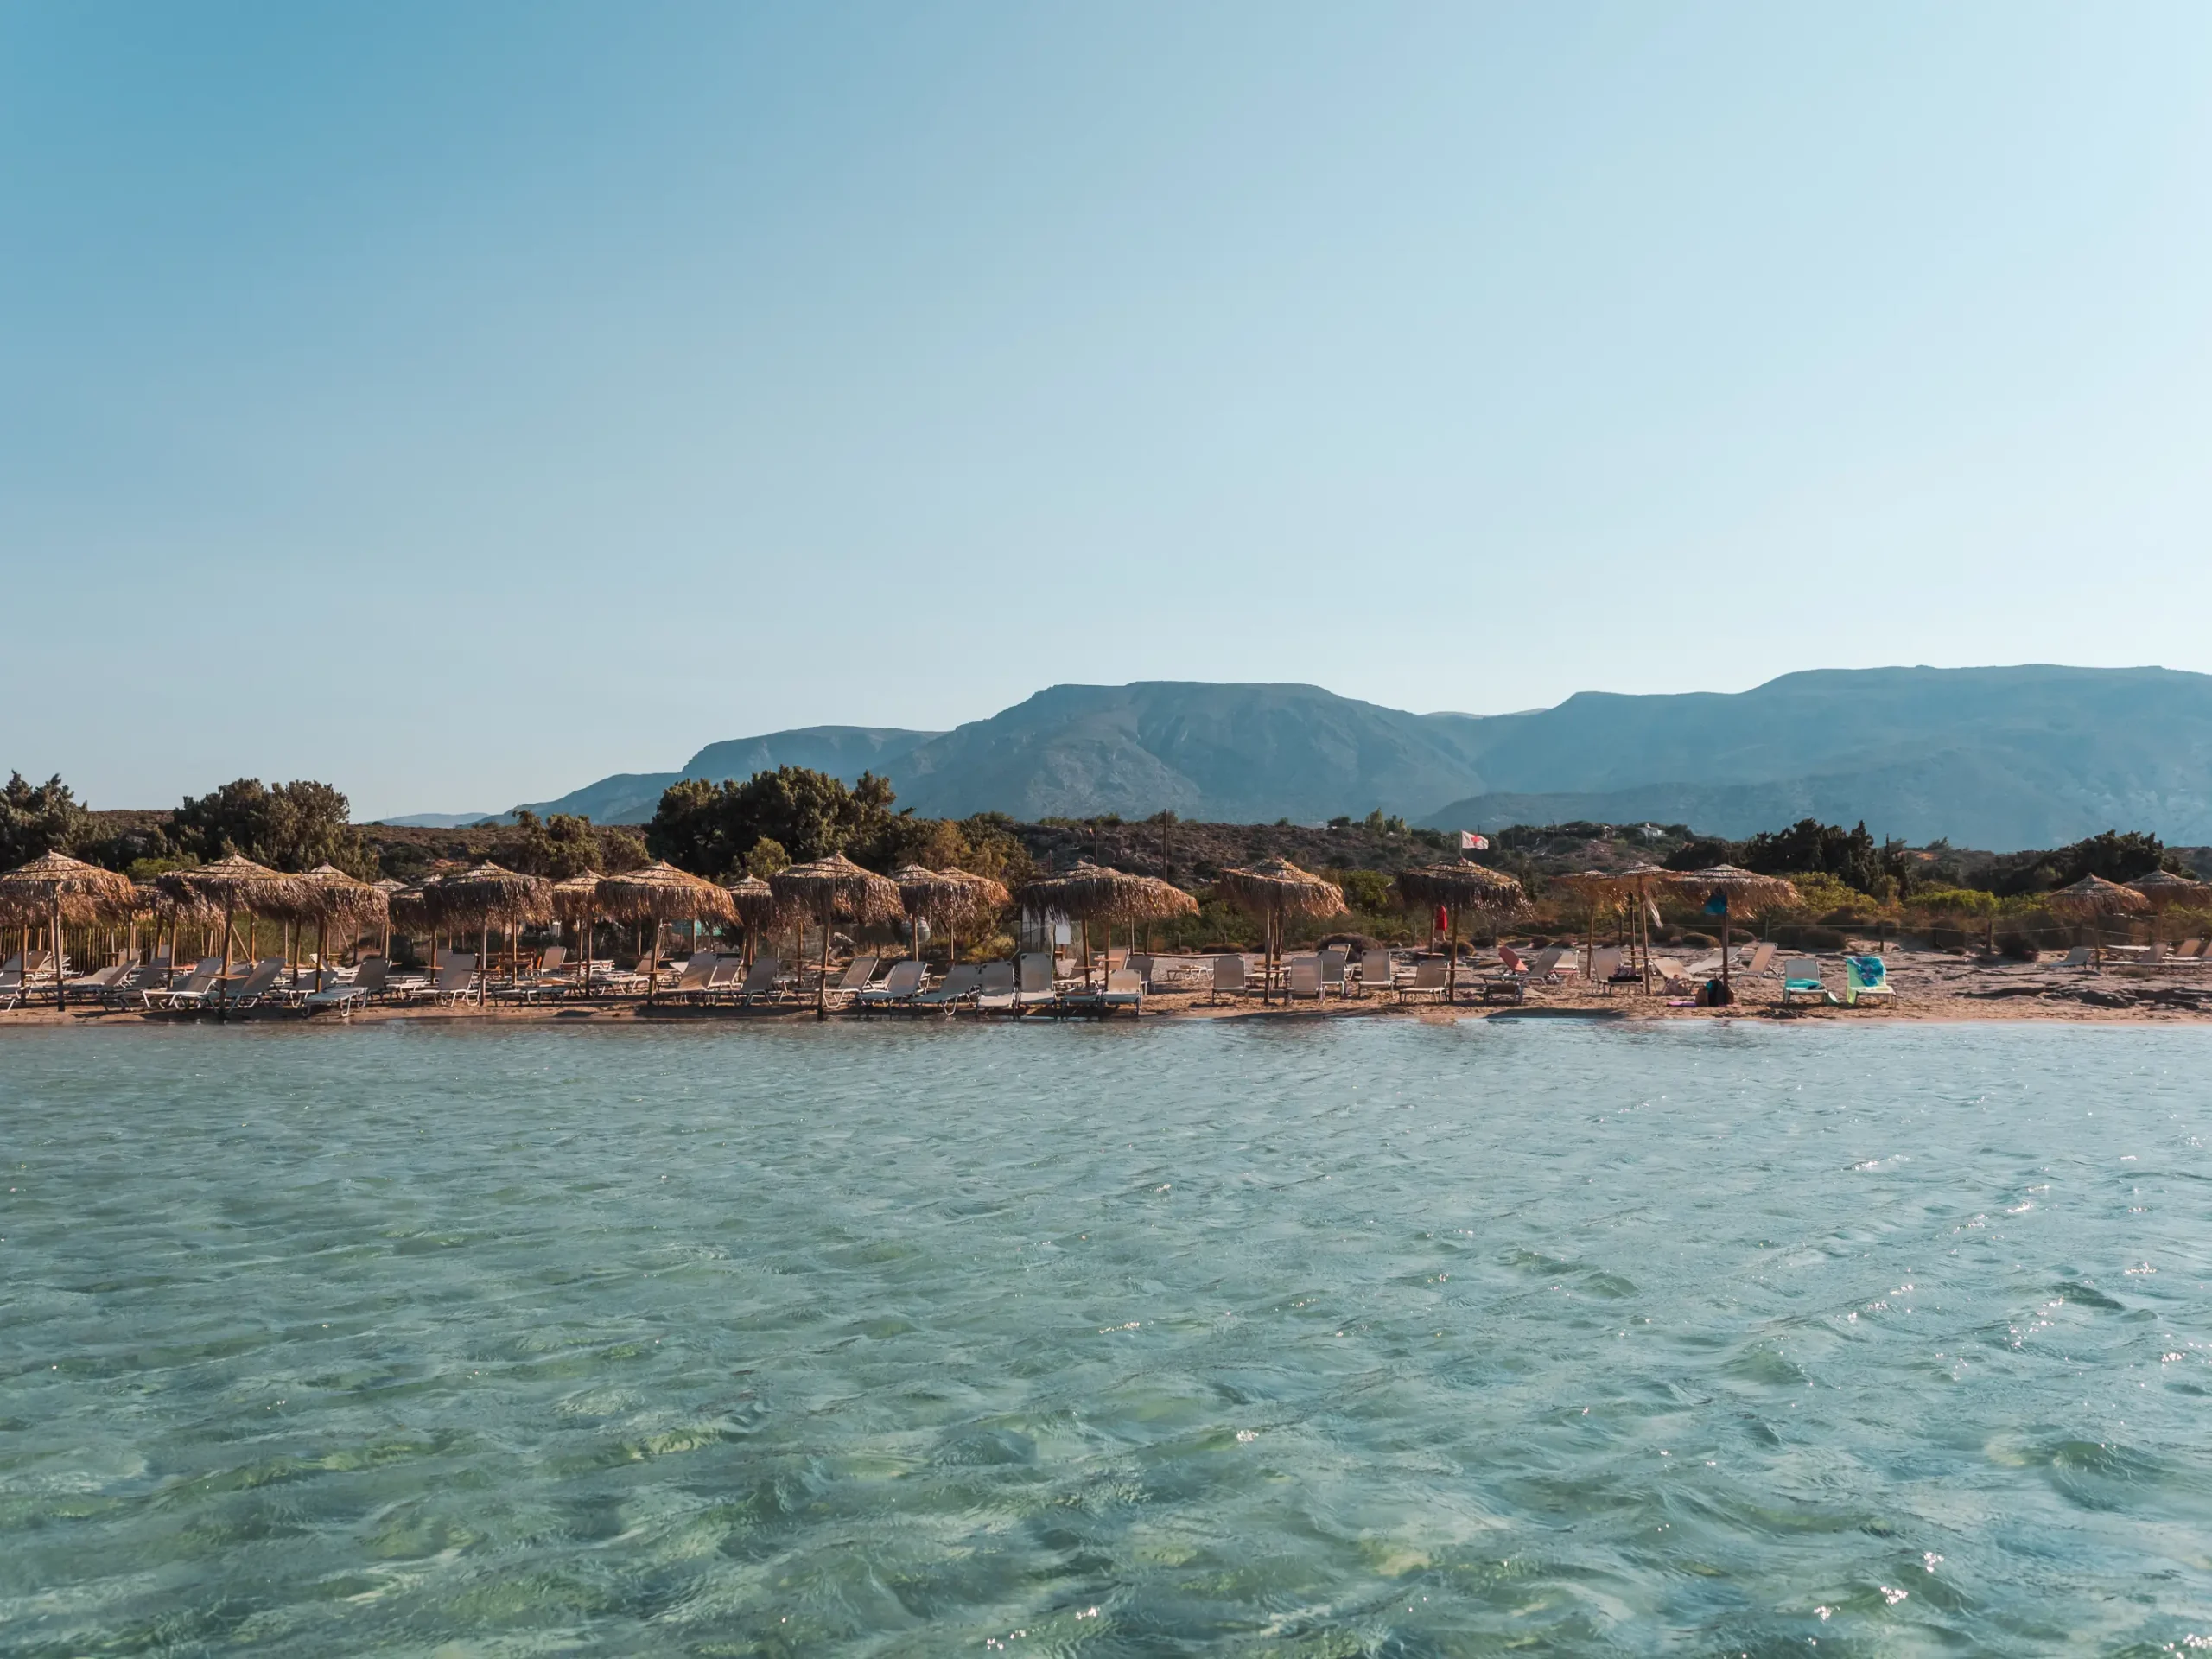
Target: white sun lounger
900, 984
1229, 975
1033, 976
997, 992
963, 983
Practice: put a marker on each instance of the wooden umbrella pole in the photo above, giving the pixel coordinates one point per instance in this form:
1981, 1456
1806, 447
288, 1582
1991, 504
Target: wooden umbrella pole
483, 957
652, 961
223, 984
61, 985
321, 949
1452, 945
821, 983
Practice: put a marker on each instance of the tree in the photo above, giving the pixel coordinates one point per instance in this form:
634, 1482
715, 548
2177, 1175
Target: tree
1850, 855
293, 826
556, 848
36, 819
1702, 853
709, 828
2112, 855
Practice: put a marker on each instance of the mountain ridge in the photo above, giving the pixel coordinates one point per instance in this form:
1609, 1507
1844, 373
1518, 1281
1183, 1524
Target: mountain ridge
2005, 757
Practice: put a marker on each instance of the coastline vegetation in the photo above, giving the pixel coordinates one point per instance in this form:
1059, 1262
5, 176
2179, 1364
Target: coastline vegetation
1845, 879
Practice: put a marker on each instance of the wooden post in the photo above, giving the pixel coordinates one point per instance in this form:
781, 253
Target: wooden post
223, 984
822, 984
483, 955
321, 948
1452, 945
61, 987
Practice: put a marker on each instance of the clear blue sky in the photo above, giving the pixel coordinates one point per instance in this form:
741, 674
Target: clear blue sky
457, 403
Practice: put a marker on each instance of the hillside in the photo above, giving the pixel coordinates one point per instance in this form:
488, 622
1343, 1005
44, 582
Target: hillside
2003, 758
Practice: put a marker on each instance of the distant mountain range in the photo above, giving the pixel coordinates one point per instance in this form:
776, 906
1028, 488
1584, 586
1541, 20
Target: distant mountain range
2000, 758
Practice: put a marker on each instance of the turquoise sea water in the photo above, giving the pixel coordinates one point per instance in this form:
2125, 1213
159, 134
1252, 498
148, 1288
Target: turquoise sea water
1356, 1337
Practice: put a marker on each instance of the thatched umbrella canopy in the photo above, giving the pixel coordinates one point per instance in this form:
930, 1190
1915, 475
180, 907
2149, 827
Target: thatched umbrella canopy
924, 894
754, 901
1596, 891
661, 893
576, 897
2093, 897
1730, 892
392, 890
1091, 892
1456, 887
2164, 890
833, 887
576, 901
56, 888
986, 898
484, 893
229, 885
1274, 890
330, 895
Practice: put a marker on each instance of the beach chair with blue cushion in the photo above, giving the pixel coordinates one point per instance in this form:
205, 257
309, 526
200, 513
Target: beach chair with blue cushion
1801, 979
1866, 979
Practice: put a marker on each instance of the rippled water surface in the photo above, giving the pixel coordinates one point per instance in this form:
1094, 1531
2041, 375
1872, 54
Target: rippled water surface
1369, 1337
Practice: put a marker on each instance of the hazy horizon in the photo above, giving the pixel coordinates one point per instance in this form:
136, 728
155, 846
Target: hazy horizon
460, 405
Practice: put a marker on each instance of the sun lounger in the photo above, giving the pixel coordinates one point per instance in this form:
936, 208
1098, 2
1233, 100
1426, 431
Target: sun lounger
759, 984
196, 987
1801, 977
456, 979
1866, 979
1302, 977
961, 983
1430, 979
1605, 965
1761, 960
1550, 966
17, 981
1674, 978
2189, 949
368, 982
853, 980
1333, 963
997, 993
697, 975
895, 987
248, 993
2080, 955
1124, 990
1229, 975
1033, 975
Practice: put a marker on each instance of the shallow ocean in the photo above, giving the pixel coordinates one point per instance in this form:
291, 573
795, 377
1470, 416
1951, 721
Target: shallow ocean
1314, 1338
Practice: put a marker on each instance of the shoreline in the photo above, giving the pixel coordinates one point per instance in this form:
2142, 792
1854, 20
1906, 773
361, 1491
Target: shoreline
1931, 988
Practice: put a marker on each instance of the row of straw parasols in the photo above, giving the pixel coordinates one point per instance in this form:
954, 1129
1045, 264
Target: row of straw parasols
59, 889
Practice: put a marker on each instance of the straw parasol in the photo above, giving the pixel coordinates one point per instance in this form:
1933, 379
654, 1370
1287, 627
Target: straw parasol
1092, 891
54, 888
1597, 890
392, 890
1641, 883
754, 901
484, 893
661, 893
1729, 891
2092, 898
1455, 887
229, 885
1274, 889
833, 887
986, 898
329, 894
576, 901
924, 893
2164, 890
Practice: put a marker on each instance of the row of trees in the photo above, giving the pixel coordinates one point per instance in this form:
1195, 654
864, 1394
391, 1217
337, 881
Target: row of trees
793, 814
293, 826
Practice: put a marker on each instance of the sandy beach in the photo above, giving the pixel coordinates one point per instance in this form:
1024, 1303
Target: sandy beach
1930, 985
